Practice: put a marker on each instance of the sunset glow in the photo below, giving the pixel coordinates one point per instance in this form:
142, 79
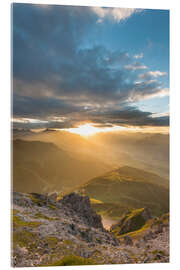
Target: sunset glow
84, 130
90, 129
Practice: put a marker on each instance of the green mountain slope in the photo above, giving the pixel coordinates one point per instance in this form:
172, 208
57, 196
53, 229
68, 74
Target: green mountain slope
139, 225
129, 188
43, 167
138, 175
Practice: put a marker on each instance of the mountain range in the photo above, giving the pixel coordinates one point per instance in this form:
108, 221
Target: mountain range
44, 167
50, 161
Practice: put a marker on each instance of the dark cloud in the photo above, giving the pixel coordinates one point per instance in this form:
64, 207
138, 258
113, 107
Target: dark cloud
45, 38
53, 125
74, 116
129, 116
42, 107
56, 74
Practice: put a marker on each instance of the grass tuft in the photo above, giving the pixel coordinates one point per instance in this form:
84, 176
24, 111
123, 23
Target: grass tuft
73, 260
18, 222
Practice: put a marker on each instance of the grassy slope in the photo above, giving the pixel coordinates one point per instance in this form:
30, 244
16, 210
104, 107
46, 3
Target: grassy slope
136, 220
120, 191
141, 228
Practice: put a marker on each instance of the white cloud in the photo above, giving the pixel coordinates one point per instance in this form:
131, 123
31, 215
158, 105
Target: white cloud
150, 81
154, 74
145, 82
28, 120
154, 115
157, 73
57, 119
139, 96
160, 93
115, 14
135, 67
138, 56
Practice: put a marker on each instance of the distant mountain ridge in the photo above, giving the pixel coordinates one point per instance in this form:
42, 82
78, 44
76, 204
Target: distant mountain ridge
149, 152
138, 175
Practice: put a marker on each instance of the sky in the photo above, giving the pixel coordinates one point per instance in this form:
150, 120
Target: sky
76, 65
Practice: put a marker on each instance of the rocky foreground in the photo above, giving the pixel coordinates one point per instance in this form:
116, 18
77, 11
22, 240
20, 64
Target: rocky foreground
69, 232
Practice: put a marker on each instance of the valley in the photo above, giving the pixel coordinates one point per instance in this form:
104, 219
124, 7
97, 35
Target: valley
72, 194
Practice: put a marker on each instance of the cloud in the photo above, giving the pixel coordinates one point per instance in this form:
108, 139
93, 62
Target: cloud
28, 120
45, 38
129, 116
160, 93
56, 77
135, 66
157, 115
153, 74
114, 14
146, 91
33, 107
138, 56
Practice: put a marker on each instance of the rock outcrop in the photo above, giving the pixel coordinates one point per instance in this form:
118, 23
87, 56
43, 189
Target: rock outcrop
45, 231
82, 207
132, 221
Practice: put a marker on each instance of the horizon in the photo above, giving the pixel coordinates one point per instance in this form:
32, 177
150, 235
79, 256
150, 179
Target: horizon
114, 130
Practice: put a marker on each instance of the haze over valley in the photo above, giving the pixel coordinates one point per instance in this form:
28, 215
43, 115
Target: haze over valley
112, 168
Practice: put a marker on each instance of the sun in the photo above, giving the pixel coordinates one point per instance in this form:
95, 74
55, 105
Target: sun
85, 130
89, 129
